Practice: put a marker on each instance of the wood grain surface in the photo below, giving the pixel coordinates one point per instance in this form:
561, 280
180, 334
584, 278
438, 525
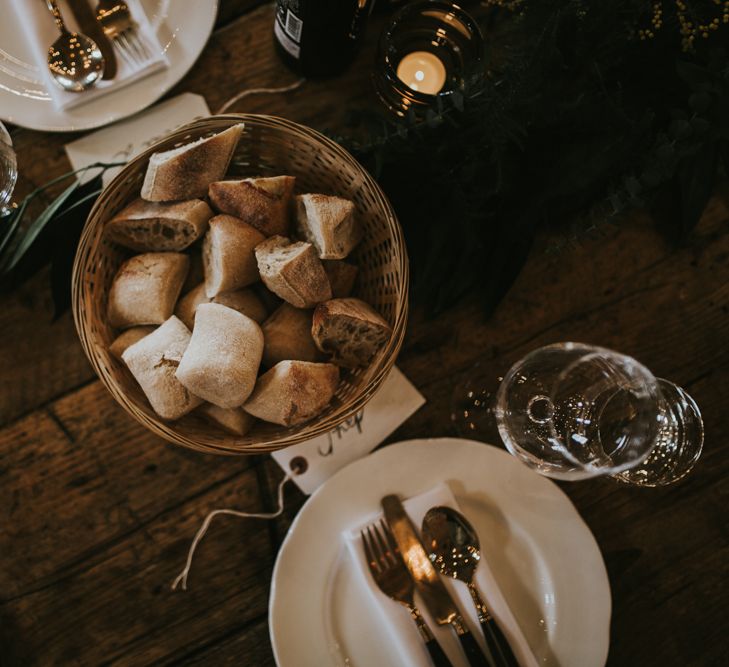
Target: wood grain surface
97, 514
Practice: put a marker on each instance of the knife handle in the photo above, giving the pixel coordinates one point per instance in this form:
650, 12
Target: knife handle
498, 645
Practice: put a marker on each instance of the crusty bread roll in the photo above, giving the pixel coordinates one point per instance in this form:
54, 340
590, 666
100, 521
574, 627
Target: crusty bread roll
293, 271
228, 255
329, 223
153, 227
293, 392
263, 203
244, 301
221, 363
187, 305
287, 335
146, 288
128, 338
350, 330
235, 420
153, 361
187, 171
341, 276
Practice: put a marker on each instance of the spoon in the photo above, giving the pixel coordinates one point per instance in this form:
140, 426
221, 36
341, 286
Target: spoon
454, 548
74, 60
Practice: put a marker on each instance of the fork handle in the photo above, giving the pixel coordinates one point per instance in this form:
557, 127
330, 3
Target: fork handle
437, 655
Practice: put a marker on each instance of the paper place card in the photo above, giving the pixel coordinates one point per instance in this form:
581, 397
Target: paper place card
321, 457
126, 139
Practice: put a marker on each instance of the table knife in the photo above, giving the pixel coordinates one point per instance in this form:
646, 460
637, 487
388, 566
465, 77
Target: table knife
90, 27
432, 591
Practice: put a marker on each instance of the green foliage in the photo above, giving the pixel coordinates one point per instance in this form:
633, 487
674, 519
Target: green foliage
577, 122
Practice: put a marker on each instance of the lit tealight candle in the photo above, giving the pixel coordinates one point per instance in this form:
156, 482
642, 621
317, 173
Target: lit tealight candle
422, 71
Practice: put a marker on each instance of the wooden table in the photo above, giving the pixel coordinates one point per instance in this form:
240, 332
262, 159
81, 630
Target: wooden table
97, 514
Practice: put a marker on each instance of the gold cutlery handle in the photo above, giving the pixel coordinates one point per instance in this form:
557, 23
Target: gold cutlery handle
437, 655
501, 652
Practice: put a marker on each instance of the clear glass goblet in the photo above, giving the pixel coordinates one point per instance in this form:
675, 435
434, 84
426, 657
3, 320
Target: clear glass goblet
8, 170
574, 411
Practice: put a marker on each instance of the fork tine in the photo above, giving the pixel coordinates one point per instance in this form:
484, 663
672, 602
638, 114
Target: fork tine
136, 44
387, 554
371, 560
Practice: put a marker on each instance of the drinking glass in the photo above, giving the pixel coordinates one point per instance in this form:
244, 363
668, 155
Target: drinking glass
8, 170
574, 411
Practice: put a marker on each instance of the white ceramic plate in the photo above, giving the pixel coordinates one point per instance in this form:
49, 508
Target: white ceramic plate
183, 28
542, 554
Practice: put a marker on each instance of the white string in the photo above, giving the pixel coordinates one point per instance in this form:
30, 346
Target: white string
259, 91
182, 577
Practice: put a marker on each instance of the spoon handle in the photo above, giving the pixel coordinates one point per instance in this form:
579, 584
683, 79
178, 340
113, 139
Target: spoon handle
497, 643
53, 9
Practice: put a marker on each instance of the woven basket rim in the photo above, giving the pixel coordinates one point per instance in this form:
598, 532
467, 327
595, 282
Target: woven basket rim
238, 445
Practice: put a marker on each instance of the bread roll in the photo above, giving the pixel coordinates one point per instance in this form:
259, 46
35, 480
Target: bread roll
228, 253
244, 301
153, 361
187, 171
293, 271
150, 226
341, 276
263, 203
234, 421
187, 305
329, 223
287, 335
293, 392
146, 288
127, 339
350, 330
221, 363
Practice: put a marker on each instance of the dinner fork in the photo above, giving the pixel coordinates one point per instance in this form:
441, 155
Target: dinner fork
119, 26
392, 577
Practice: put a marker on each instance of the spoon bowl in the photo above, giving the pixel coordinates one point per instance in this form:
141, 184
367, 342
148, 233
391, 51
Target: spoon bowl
74, 60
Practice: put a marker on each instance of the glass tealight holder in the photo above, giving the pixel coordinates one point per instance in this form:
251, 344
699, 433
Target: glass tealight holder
8, 171
428, 52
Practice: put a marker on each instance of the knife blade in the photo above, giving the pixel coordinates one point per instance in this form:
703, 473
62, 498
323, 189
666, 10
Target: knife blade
433, 592
90, 27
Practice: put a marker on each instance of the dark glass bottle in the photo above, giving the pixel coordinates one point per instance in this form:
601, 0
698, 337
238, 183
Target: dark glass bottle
319, 37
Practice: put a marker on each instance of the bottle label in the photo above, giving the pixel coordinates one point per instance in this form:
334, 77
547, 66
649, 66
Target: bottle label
288, 27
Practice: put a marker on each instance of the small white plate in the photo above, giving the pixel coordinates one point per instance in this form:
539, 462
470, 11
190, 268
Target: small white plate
542, 554
183, 28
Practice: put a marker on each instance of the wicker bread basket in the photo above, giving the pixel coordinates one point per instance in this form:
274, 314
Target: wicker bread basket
269, 146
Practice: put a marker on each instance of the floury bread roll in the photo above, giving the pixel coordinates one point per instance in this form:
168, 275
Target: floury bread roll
292, 271
153, 227
228, 253
127, 339
153, 361
263, 203
187, 171
287, 335
221, 363
293, 392
244, 301
329, 223
145, 289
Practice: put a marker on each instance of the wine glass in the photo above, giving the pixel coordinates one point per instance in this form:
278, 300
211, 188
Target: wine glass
574, 411
8, 170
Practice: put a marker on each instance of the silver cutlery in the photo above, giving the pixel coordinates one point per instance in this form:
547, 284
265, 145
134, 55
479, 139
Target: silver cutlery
454, 548
391, 576
432, 591
74, 60
119, 26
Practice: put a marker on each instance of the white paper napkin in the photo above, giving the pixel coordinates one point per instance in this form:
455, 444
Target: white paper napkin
40, 28
397, 624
